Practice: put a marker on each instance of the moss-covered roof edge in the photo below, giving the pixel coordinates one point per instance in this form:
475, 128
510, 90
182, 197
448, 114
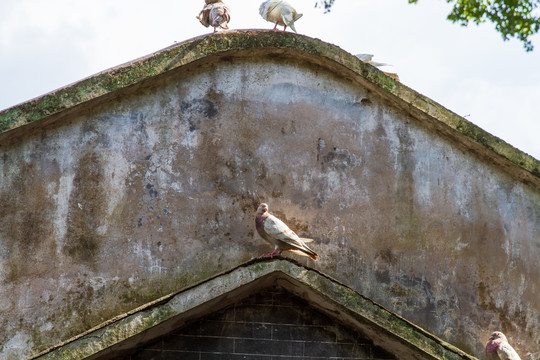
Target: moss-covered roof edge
178, 55
113, 332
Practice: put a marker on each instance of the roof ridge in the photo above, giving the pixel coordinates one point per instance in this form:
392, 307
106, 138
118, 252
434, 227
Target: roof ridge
96, 87
245, 277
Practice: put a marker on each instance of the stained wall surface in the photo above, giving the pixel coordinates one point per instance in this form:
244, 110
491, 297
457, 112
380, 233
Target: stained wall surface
156, 189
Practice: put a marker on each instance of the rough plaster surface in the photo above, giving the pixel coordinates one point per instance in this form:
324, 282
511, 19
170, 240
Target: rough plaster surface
154, 191
139, 328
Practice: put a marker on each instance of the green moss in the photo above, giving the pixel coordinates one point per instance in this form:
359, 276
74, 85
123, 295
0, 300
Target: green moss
235, 42
160, 310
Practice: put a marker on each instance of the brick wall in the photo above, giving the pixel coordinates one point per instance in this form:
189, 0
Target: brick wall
270, 325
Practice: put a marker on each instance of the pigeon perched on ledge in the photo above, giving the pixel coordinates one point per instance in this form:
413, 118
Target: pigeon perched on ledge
498, 348
279, 12
278, 234
368, 59
216, 14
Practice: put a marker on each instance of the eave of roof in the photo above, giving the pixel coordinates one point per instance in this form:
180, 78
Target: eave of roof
101, 86
174, 310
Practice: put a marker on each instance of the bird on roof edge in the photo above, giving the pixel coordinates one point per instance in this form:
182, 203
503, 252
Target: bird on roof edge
216, 14
498, 348
277, 233
368, 59
279, 12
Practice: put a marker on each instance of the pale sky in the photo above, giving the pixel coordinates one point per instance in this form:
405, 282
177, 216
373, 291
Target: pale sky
49, 44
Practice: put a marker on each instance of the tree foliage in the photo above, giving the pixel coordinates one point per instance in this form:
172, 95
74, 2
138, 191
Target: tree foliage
512, 18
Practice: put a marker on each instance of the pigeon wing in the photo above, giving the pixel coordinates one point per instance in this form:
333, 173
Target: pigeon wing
507, 352
263, 9
204, 15
278, 230
220, 15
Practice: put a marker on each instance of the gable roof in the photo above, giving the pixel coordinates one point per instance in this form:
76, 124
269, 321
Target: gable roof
150, 321
225, 45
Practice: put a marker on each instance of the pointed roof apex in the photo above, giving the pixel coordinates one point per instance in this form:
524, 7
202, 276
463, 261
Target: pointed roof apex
248, 43
155, 319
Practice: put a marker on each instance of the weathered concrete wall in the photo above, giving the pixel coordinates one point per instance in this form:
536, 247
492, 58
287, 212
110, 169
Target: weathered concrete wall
156, 188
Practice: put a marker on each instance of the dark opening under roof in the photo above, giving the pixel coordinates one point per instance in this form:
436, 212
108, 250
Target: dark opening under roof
148, 322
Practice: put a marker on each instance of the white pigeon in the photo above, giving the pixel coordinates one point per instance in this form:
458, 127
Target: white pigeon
216, 14
368, 59
498, 348
277, 233
279, 12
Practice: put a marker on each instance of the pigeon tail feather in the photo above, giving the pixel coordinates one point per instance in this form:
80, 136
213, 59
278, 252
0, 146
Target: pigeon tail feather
289, 17
290, 24
306, 252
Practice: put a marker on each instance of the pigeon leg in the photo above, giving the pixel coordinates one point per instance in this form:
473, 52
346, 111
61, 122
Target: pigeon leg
273, 253
275, 27
285, 27
215, 30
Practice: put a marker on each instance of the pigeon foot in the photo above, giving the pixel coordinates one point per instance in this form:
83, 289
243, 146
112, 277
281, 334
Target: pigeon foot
273, 253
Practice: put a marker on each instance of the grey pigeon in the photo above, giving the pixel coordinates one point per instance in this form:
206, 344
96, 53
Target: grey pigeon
216, 14
279, 12
278, 234
498, 348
